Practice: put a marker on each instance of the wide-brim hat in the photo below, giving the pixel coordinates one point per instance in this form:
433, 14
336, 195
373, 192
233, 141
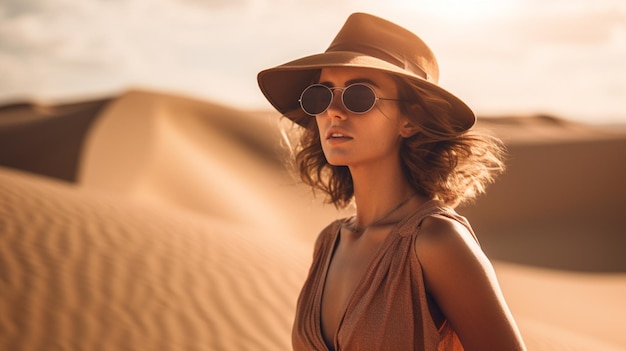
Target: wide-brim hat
364, 41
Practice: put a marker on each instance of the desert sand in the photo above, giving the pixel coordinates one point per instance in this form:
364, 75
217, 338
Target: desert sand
150, 221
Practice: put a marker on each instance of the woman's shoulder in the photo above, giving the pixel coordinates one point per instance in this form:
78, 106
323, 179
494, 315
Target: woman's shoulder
441, 229
436, 227
328, 233
434, 216
444, 238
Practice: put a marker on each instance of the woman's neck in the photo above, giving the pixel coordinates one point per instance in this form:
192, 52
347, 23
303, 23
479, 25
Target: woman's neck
379, 189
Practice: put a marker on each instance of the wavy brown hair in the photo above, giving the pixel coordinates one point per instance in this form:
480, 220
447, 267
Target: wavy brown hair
438, 161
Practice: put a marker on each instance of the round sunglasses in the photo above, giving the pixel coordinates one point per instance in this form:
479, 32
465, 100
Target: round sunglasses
357, 98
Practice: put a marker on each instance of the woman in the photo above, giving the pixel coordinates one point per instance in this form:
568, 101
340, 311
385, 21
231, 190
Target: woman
406, 271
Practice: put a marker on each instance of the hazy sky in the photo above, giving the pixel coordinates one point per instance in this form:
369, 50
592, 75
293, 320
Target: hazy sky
565, 57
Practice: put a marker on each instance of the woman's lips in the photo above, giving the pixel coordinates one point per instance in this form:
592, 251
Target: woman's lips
337, 138
334, 134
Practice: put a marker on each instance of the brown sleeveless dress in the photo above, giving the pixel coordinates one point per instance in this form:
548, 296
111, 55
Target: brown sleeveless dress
388, 309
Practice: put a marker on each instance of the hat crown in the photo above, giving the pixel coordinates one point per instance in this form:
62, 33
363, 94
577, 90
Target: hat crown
376, 37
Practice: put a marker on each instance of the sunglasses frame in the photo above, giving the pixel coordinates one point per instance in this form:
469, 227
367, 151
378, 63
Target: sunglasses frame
343, 90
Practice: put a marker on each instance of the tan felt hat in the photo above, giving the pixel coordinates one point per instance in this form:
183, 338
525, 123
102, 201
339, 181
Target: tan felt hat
364, 41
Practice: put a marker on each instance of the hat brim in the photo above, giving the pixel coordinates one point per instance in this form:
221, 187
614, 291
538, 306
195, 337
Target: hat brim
282, 85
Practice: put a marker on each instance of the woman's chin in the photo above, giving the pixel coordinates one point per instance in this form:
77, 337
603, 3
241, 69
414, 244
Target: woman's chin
337, 163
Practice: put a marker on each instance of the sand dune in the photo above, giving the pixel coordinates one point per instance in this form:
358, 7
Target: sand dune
568, 308
46, 139
85, 271
202, 157
562, 201
172, 225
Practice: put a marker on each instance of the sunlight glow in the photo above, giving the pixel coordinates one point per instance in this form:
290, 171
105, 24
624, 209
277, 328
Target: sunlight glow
459, 10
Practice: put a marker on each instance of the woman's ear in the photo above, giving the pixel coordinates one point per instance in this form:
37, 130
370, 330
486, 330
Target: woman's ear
408, 129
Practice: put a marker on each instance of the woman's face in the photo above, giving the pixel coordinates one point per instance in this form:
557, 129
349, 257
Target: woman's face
350, 139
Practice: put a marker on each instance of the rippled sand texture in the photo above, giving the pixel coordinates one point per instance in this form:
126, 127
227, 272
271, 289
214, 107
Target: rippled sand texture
82, 271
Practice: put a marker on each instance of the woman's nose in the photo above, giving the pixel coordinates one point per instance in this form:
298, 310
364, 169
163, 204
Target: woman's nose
336, 108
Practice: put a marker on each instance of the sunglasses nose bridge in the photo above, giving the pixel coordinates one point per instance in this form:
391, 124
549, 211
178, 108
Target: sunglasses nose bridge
336, 101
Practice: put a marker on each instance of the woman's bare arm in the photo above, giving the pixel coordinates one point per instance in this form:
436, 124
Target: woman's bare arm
463, 283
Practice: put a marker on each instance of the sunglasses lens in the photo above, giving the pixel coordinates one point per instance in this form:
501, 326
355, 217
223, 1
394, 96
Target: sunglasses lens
359, 98
316, 99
